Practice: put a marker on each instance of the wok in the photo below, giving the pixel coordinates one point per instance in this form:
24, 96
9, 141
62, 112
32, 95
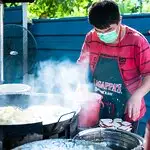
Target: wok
64, 120
62, 144
23, 101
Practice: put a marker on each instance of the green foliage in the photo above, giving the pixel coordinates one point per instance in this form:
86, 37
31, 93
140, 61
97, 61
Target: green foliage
58, 8
128, 7
11, 4
134, 6
68, 8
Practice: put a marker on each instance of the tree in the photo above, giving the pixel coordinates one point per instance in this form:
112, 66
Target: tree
58, 8
70, 8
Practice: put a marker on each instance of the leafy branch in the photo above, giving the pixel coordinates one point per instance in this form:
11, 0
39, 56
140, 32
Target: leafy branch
70, 8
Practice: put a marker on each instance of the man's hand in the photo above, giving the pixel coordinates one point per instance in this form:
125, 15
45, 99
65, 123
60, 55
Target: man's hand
133, 106
134, 103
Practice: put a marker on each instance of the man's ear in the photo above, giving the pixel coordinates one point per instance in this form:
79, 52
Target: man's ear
120, 19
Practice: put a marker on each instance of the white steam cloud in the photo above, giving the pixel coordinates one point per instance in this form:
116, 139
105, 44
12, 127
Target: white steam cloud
63, 78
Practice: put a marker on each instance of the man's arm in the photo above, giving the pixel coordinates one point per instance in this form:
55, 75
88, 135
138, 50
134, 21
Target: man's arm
84, 54
134, 103
143, 63
145, 87
84, 64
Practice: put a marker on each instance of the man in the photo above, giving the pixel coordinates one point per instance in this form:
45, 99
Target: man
119, 59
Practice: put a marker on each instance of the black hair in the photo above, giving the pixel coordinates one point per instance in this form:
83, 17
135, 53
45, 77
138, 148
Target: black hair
104, 13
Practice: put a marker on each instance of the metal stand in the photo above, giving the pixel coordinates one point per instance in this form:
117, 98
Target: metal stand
1, 43
25, 43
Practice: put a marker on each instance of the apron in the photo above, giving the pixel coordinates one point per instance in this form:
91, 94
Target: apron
109, 83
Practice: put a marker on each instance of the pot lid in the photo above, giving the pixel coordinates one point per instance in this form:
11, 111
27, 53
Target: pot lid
61, 144
14, 88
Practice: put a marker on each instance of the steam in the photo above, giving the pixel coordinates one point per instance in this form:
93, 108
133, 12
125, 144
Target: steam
60, 77
65, 78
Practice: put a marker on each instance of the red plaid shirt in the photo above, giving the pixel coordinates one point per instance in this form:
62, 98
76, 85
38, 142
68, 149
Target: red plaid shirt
133, 52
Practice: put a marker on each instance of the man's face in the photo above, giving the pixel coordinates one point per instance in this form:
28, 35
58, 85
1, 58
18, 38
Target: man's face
109, 29
110, 34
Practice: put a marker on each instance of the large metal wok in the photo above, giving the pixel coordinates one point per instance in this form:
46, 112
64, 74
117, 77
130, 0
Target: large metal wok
23, 101
63, 120
61, 144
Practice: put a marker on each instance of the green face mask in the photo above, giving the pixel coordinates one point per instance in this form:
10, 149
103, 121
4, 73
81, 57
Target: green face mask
109, 37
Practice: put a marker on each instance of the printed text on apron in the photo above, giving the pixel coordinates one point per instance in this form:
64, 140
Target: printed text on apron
108, 82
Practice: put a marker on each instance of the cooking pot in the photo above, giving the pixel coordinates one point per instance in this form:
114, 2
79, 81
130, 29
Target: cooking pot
23, 101
112, 138
14, 94
14, 88
90, 110
61, 144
